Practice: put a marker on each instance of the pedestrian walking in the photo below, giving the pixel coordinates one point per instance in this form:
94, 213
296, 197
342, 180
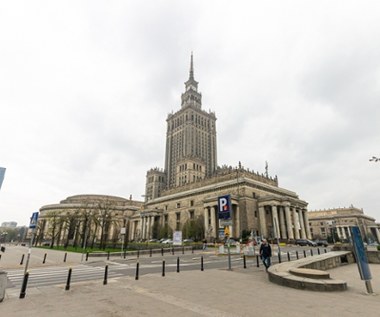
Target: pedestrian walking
265, 253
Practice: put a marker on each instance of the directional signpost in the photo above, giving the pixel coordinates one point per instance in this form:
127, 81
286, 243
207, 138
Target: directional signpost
33, 226
225, 218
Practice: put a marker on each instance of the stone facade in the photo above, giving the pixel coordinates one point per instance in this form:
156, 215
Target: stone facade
338, 220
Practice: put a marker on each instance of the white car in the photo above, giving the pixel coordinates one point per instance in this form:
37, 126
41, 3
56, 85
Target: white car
167, 241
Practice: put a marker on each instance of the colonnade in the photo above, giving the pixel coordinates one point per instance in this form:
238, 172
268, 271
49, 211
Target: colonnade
284, 221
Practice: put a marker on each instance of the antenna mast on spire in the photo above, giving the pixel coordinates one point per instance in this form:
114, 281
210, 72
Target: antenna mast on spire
266, 169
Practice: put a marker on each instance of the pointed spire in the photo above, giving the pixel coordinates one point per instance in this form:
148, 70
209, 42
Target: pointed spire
191, 67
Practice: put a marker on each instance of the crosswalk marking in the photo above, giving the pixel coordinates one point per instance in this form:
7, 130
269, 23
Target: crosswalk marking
58, 275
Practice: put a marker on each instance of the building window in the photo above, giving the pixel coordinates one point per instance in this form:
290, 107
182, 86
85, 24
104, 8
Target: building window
321, 223
191, 203
166, 218
191, 214
178, 205
255, 213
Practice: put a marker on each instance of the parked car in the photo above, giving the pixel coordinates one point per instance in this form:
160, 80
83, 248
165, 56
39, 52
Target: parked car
305, 242
188, 241
167, 241
322, 243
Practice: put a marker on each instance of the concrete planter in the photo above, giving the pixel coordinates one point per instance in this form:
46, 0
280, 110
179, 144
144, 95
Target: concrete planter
3, 284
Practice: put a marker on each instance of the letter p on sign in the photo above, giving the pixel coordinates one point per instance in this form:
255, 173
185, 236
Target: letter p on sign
224, 207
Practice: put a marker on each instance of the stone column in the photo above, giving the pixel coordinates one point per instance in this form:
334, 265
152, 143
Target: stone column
289, 222
213, 222
296, 223
236, 224
302, 223
307, 226
377, 235
282, 222
143, 227
205, 212
263, 227
276, 227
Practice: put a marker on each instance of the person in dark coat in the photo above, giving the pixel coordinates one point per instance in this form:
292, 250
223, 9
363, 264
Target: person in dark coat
265, 253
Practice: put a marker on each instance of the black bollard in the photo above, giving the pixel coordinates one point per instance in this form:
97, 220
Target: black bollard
304, 253
297, 255
22, 259
0, 256
125, 254
137, 271
325, 251
202, 268
105, 275
279, 257
311, 252
150, 252
43, 262
257, 261
138, 253
108, 255
24, 284
319, 251
163, 268
162, 251
288, 257
86, 256
178, 265
68, 280
64, 258
244, 262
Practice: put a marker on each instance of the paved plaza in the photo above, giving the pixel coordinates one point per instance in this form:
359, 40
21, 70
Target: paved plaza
213, 292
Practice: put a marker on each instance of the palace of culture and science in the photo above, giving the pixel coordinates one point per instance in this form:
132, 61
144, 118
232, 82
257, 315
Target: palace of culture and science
188, 186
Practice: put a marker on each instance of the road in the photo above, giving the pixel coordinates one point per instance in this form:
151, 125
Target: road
94, 269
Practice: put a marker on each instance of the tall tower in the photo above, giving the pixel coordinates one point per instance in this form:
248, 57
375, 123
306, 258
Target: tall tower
190, 138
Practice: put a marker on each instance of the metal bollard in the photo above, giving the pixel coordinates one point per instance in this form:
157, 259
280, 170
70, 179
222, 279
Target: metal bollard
202, 267
162, 251
137, 271
244, 262
138, 253
288, 257
325, 251
64, 258
257, 261
279, 257
86, 256
319, 251
68, 280
178, 265
105, 275
304, 253
108, 255
163, 268
125, 254
297, 255
24, 284
311, 252
43, 262
22, 259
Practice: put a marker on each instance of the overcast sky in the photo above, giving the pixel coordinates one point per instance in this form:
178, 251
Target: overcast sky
86, 87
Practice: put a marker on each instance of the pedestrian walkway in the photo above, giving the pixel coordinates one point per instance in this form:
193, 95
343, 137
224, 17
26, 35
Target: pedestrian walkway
213, 292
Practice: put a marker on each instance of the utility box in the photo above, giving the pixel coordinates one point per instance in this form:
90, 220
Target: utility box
3, 284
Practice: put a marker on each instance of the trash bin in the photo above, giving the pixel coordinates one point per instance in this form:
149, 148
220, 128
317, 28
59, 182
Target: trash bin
3, 284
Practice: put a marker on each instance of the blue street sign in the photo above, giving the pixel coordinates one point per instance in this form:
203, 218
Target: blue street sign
224, 207
360, 254
33, 220
2, 173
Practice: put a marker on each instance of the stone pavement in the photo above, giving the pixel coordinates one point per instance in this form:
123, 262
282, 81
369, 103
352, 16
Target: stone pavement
213, 292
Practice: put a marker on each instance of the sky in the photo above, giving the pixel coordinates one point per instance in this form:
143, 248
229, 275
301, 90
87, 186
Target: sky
86, 87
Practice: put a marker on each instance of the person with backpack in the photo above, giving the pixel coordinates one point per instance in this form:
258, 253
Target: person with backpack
265, 253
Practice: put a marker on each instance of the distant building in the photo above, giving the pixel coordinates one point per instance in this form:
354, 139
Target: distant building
9, 224
337, 221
